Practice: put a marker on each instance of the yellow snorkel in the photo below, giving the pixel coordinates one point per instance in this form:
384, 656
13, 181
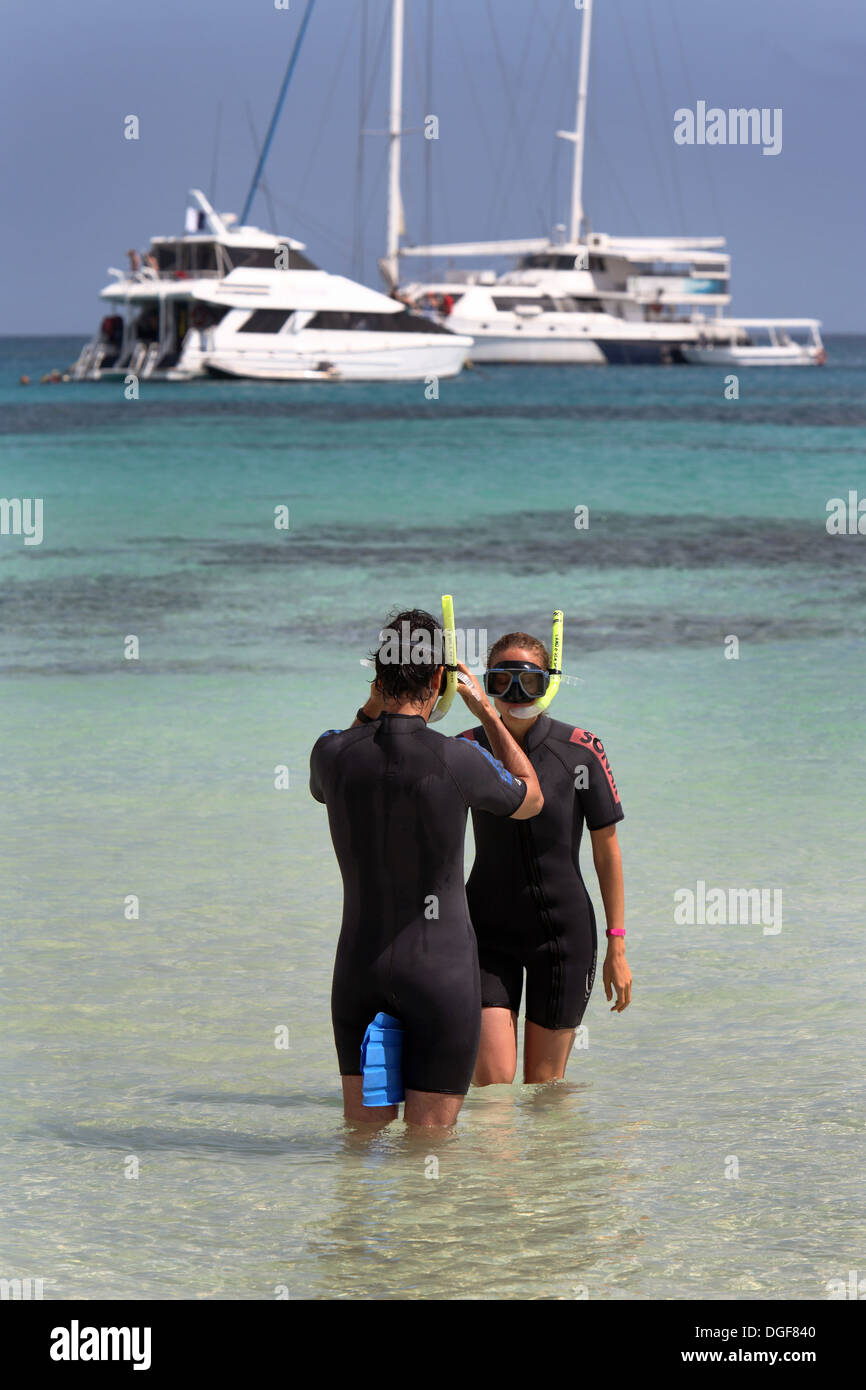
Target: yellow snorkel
538, 706
555, 660
449, 686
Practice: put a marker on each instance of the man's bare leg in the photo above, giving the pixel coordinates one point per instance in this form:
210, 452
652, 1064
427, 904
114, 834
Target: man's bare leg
545, 1052
356, 1111
497, 1052
431, 1109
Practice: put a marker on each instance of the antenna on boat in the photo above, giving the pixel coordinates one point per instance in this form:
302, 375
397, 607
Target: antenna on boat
276, 116
390, 264
577, 136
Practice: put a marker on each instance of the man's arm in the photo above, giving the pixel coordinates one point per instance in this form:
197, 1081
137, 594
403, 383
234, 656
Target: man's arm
373, 706
503, 746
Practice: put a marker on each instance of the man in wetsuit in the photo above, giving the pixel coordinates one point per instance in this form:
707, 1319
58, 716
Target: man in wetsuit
397, 795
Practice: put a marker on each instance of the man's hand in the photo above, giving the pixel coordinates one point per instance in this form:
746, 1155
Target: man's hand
472, 695
375, 703
373, 706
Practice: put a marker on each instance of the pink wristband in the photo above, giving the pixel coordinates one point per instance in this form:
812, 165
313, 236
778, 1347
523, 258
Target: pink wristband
615, 931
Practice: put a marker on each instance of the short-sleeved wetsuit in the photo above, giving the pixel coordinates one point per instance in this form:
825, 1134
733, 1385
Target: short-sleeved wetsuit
397, 795
527, 899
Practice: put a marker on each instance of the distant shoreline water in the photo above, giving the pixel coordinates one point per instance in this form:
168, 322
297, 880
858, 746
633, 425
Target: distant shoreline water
152, 1035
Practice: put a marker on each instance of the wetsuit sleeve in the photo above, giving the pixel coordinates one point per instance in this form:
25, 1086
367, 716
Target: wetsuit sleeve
596, 788
317, 766
486, 785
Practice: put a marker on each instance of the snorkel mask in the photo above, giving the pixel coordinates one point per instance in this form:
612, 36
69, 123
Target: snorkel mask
516, 682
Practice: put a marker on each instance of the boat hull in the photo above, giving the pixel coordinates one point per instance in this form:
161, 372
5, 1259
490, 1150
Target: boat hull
752, 357
389, 361
508, 351
579, 352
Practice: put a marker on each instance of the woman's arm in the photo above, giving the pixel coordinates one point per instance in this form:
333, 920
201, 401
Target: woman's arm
608, 867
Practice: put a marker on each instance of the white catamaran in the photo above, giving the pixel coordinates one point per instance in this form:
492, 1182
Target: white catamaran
593, 298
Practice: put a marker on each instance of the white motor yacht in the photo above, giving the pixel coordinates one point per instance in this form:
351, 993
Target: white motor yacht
226, 300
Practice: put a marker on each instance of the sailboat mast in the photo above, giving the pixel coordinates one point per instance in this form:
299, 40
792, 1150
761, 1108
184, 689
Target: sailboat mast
580, 126
276, 116
395, 123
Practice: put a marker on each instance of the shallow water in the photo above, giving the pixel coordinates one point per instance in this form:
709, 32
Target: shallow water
153, 1039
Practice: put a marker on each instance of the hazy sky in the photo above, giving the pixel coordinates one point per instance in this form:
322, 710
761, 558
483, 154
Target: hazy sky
502, 79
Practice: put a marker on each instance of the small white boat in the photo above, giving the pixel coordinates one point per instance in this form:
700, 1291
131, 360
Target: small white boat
761, 343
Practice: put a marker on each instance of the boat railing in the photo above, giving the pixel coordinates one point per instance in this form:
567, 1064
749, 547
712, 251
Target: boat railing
151, 357
136, 360
90, 360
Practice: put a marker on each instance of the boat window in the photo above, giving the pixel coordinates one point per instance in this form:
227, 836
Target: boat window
202, 256
265, 321
678, 268
547, 260
508, 302
265, 258
544, 261
203, 314
166, 256
362, 322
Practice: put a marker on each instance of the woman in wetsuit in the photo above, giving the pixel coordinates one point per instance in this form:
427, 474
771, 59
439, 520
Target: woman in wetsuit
527, 899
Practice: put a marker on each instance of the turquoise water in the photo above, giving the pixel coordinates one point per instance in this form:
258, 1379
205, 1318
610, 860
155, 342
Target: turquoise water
152, 1039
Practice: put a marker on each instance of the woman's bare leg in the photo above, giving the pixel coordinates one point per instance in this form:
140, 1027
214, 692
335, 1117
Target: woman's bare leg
545, 1052
497, 1051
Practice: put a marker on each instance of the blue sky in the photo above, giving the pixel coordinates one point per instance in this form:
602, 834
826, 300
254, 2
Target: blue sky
501, 80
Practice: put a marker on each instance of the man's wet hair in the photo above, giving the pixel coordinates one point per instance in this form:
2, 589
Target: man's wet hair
409, 654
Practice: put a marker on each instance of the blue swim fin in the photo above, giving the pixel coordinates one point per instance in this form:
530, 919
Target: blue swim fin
382, 1061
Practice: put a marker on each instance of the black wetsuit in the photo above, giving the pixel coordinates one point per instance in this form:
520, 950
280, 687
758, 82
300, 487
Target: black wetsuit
397, 794
527, 898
